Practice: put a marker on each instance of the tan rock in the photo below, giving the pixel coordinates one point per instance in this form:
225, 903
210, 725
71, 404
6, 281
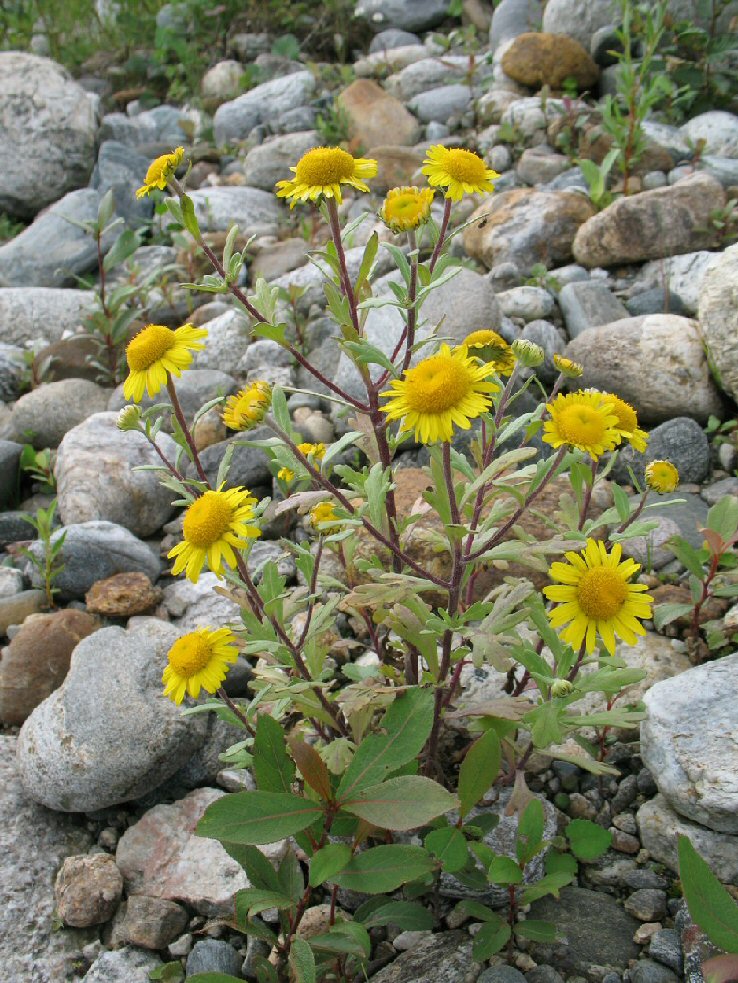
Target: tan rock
397, 166
537, 59
282, 257
36, 661
122, 595
375, 117
88, 890
151, 923
15, 609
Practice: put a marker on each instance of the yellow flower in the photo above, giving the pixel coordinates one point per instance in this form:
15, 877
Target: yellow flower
322, 171
160, 171
627, 421
315, 450
594, 597
285, 474
157, 351
568, 367
582, 420
491, 347
459, 171
662, 476
323, 517
248, 407
215, 525
199, 660
406, 208
446, 389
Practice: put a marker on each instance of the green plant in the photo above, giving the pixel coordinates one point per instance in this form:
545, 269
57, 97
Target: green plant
725, 221
597, 178
39, 465
712, 909
540, 277
9, 227
49, 565
334, 125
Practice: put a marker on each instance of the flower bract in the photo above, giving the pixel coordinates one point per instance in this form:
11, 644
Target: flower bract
594, 597
584, 421
662, 476
627, 421
459, 171
492, 348
199, 660
406, 208
160, 171
215, 525
248, 407
322, 171
155, 353
447, 389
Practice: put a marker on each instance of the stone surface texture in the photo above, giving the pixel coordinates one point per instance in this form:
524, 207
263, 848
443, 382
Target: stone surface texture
537, 59
52, 410
718, 316
88, 889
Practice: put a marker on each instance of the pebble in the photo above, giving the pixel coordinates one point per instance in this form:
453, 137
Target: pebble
211, 956
648, 971
666, 948
646, 932
647, 904
88, 890
625, 842
151, 923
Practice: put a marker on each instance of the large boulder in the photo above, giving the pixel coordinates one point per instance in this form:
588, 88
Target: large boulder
52, 410
31, 313
49, 125
718, 316
270, 161
265, 103
254, 211
108, 735
536, 59
376, 117
580, 19
406, 15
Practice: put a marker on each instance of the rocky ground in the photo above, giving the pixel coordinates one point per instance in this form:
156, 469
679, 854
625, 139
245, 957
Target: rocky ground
105, 781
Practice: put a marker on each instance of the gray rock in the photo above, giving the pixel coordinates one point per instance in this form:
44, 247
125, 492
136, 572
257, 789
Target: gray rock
161, 125
254, 211
444, 958
666, 948
197, 605
10, 453
121, 170
528, 303
668, 137
52, 410
440, 104
588, 305
82, 749
405, 15
214, 956
501, 974
151, 923
647, 904
681, 441
378, 63
718, 130
195, 388
48, 124
656, 363
96, 480
222, 81
11, 582
127, 965
12, 370
270, 162
53, 250
539, 165
265, 104
654, 301
31, 313
93, 551
249, 465
580, 19
718, 317
723, 169
227, 342
683, 743
543, 974
682, 276
431, 73
511, 18
248, 45
393, 37
690, 515
714, 492
648, 971
34, 842
652, 551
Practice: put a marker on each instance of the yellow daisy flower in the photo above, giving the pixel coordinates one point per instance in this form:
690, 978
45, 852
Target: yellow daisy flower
492, 348
157, 351
160, 171
627, 421
662, 476
248, 407
286, 474
323, 517
567, 366
446, 389
594, 597
199, 660
322, 171
214, 525
406, 208
315, 450
583, 421
459, 171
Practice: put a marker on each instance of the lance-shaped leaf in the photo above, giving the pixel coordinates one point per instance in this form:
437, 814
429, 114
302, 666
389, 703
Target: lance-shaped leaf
478, 770
709, 903
302, 961
382, 869
401, 803
328, 862
257, 817
312, 768
273, 769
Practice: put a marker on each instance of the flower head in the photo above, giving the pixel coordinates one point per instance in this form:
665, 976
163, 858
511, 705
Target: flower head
584, 421
160, 171
248, 407
406, 208
594, 596
323, 517
199, 660
129, 418
528, 353
312, 450
446, 389
286, 474
215, 525
492, 348
155, 353
322, 171
567, 367
662, 476
459, 171
627, 421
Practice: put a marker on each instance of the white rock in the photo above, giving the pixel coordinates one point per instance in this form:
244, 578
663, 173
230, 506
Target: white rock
718, 129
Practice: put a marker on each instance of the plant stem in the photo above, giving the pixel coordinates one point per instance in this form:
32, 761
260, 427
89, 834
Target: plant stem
185, 429
236, 710
441, 235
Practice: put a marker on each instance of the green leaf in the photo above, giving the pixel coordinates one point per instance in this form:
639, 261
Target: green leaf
259, 869
273, 769
406, 726
382, 869
478, 770
169, 973
302, 961
530, 831
622, 502
328, 862
688, 556
560, 863
664, 614
723, 517
212, 978
401, 803
490, 938
449, 846
407, 915
351, 938
545, 725
536, 931
504, 870
587, 840
189, 219
312, 767
720, 969
257, 817
475, 909
291, 879
710, 905
550, 884
123, 247
252, 901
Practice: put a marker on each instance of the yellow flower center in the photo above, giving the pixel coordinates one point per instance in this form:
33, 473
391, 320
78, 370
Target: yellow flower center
437, 384
207, 519
189, 655
601, 593
149, 345
580, 424
465, 166
323, 166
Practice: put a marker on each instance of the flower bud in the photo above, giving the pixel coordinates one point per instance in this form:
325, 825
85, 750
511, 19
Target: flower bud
129, 418
561, 687
567, 367
528, 353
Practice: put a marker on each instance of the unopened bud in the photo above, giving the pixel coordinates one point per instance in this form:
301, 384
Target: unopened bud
561, 687
528, 353
129, 418
567, 367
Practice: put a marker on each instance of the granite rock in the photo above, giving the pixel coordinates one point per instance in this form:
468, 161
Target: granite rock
52, 410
